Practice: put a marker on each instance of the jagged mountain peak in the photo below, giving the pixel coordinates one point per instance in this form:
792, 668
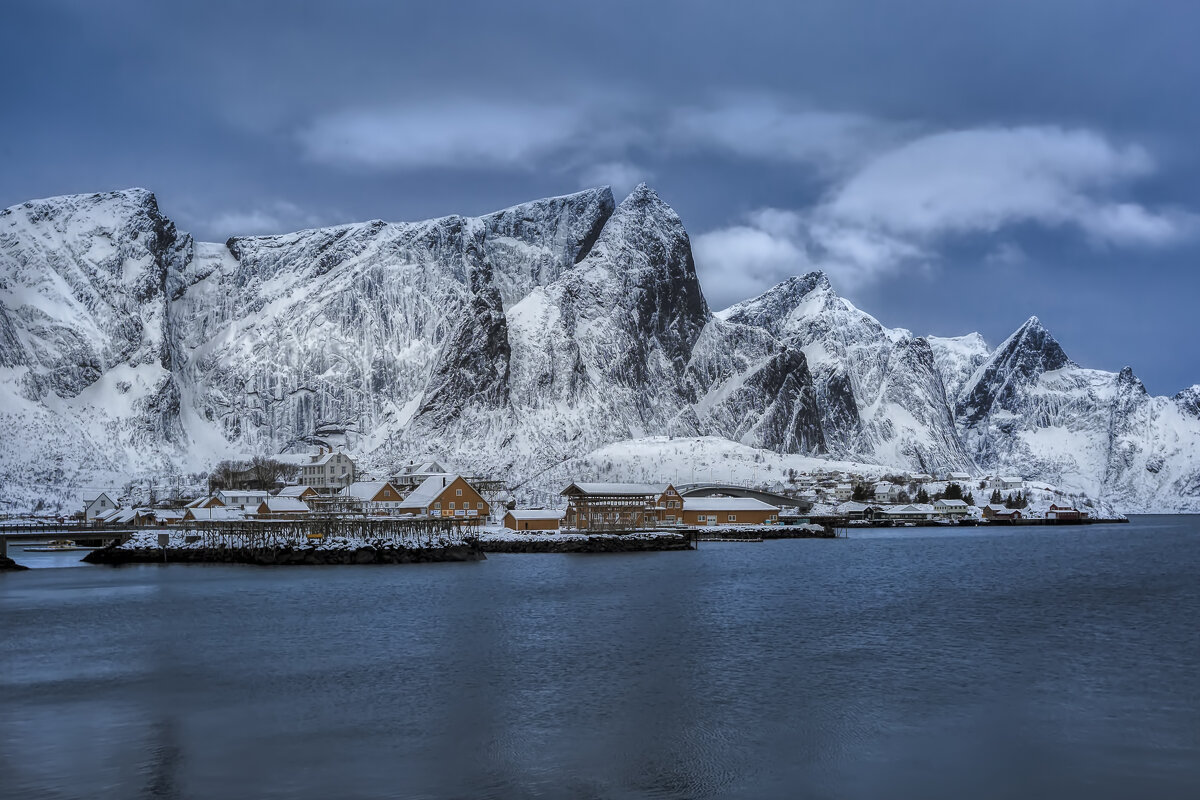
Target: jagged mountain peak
1189, 400
1014, 367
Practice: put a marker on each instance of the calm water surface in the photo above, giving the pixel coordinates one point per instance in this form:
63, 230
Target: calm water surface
1019, 663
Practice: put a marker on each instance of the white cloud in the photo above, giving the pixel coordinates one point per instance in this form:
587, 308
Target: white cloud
278, 216
763, 127
622, 176
466, 133
894, 211
980, 180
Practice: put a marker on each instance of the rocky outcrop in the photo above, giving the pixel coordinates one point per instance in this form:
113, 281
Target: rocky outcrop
878, 392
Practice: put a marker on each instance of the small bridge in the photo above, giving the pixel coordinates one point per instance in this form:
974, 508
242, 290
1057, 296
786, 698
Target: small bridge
81, 533
729, 490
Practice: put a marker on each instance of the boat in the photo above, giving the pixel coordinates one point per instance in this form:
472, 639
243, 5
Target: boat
56, 546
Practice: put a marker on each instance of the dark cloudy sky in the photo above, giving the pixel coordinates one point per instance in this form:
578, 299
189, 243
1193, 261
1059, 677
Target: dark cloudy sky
953, 166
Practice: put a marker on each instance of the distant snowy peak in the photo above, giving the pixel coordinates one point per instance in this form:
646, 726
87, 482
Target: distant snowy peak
957, 358
1189, 400
1016, 365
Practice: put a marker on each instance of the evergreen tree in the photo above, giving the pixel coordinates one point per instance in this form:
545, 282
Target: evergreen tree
969, 499
861, 492
953, 492
996, 498
922, 495
902, 498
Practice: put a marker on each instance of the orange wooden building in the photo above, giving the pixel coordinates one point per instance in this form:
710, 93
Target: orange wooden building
447, 496
728, 511
533, 519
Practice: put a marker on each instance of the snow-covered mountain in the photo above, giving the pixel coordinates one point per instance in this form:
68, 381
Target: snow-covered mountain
1029, 409
879, 391
514, 344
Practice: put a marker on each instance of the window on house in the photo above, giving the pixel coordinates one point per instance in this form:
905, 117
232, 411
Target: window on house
732, 518
438, 505
701, 518
452, 504
458, 492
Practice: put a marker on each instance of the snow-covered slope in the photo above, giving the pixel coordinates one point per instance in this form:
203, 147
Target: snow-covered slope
1032, 411
512, 344
879, 391
957, 358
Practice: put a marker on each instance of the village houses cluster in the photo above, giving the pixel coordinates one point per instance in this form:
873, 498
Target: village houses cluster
329, 483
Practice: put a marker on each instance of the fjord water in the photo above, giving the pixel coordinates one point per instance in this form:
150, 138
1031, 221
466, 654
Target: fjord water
1024, 662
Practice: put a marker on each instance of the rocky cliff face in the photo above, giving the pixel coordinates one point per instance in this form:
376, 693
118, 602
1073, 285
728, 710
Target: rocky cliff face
508, 344
1030, 410
878, 390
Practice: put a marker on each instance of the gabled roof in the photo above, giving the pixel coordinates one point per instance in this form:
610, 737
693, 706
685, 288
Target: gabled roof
254, 493
294, 491
951, 503
424, 468
215, 514
366, 490
325, 458
616, 489
199, 501
996, 508
105, 516
283, 505
428, 491
87, 502
726, 504
535, 513
911, 508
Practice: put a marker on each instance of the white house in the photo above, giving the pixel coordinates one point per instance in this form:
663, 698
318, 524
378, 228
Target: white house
241, 498
412, 474
843, 491
1007, 483
97, 506
920, 477
328, 470
959, 477
886, 492
951, 509
912, 512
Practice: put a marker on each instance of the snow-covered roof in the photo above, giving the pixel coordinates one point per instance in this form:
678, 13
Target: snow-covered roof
292, 491
850, 507
424, 468
428, 491
726, 504
535, 513
324, 458
618, 489
951, 503
1012, 479
284, 505
215, 514
253, 493
199, 501
105, 516
996, 508
959, 476
910, 508
365, 490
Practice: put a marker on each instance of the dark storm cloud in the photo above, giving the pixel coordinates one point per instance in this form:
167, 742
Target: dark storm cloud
953, 166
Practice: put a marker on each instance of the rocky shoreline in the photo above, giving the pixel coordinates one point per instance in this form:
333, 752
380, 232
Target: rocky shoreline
287, 556
8, 565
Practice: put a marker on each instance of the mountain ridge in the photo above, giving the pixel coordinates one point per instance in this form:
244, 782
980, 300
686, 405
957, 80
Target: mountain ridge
511, 342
